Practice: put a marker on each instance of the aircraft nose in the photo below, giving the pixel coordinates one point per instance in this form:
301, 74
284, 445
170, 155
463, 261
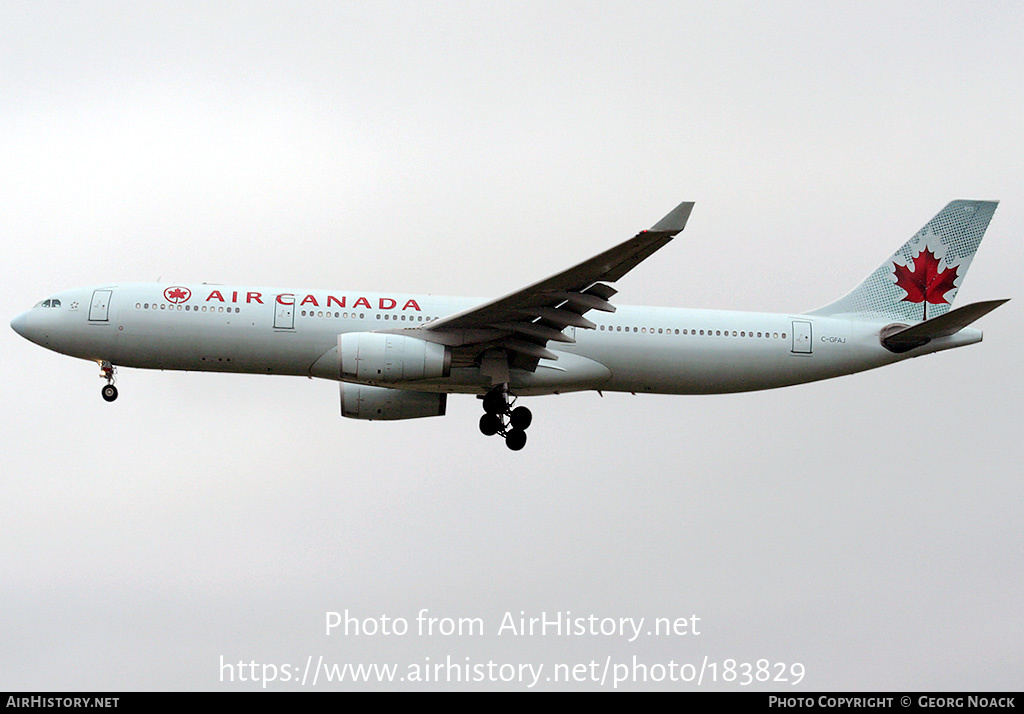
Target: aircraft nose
20, 324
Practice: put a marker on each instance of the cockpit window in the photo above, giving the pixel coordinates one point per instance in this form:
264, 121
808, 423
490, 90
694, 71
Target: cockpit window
55, 303
52, 302
46, 303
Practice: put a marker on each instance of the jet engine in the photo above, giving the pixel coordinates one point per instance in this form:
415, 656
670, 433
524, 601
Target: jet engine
359, 401
380, 358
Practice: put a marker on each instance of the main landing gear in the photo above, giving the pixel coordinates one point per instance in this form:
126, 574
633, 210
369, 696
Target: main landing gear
500, 418
109, 391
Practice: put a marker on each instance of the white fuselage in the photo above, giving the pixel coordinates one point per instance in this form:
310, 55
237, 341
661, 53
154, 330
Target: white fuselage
295, 332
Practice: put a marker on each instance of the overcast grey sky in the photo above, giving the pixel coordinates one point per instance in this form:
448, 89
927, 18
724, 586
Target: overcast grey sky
868, 527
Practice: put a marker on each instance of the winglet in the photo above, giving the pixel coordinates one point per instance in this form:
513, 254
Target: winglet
675, 221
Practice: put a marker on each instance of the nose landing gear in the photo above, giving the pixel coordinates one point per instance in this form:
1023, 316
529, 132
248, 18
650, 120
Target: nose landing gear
107, 371
500, 418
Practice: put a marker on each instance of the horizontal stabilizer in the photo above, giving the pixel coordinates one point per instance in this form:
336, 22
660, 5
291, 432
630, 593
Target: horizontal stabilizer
952, 322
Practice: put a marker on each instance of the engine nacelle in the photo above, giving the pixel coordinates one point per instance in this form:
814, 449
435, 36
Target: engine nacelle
359, 401
380, 358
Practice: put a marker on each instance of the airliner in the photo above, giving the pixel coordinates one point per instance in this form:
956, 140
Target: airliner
399, 356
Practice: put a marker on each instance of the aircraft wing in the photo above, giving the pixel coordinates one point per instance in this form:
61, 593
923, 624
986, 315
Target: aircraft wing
523, 322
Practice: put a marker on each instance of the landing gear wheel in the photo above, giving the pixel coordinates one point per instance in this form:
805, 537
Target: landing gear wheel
107, 372
515, 439
520, 418
500, 418
490, 424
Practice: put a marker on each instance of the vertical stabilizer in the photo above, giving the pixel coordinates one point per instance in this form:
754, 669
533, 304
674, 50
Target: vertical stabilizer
921, 279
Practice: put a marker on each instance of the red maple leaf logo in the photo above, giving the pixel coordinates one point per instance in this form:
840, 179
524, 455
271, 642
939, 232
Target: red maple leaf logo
925, 283
177, 294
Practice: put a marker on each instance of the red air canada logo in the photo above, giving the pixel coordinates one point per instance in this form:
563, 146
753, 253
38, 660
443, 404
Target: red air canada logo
177, 294
925, 283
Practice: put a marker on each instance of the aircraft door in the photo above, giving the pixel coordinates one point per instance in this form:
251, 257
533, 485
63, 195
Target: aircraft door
99, 310
284, 313
801, 337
